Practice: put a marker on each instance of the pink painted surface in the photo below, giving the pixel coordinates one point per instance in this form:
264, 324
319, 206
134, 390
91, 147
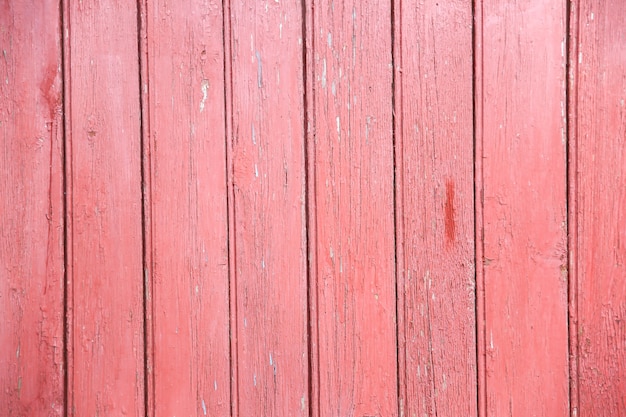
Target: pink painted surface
353, 191
600, 181
31, 210
283, 208
185, 125
103, 163
435, 208
523, 206
269, 224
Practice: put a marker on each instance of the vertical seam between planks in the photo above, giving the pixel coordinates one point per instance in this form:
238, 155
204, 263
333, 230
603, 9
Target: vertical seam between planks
230, 209
396, 116
67, 229
309, 191
572, 40
477, 86
146, 199
313, 299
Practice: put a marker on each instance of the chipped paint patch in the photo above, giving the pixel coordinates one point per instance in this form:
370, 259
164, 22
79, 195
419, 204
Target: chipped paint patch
205, 88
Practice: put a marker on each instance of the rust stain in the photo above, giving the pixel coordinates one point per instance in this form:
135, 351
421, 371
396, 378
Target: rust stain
450, 224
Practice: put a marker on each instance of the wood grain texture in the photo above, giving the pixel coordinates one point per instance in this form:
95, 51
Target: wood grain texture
354, 209
31, 210
522, 71
190, 312
105, 209
434, 137
268, 179
601, 207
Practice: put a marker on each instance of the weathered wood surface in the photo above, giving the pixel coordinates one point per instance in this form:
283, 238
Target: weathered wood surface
31, 210
599, 152
522, 110
105, 271
279, 208
268, 180
354, 208
435, 208
188, 218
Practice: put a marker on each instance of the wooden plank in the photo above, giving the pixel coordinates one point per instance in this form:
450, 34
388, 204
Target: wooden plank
435, 200
522, 76
106, 358
268, 180
31, 210
354, 209
188, 213
600, 152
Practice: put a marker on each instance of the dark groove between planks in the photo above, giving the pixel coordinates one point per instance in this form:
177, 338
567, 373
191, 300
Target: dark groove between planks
479, 276
396, 138
571, 99
66, 109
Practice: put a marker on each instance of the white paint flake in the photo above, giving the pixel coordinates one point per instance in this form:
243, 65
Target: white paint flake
205, 88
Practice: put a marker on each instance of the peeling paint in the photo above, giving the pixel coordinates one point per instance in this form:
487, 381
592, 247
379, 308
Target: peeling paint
204, 87
259, 74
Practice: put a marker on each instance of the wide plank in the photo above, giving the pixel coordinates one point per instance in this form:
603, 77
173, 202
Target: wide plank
521, 108
105, 262
31, 210
435, 203
598, 150
268, 197
353, 189
188, 209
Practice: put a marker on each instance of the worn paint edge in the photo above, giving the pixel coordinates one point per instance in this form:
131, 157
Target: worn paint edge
308, 57
481, 351
68, 291
146, 207
572, 40
230, 207
398, 190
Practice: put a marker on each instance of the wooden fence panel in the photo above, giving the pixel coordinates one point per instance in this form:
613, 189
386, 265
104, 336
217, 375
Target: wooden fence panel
599, 179
106, 322
188, 216
435, 208
268, 180
352, 186
312, 208
522, 201
31, 210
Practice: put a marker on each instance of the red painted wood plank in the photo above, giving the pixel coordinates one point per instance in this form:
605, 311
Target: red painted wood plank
189, 220
31, 210
600, 141
106, 375
435, 200
268, 180
522, 73
354, 209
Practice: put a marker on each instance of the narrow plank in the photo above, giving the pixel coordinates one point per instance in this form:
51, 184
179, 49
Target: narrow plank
601, 207
106, 305
354, 216
268, 180
434, 136
522, 72
31, 210
188, 209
